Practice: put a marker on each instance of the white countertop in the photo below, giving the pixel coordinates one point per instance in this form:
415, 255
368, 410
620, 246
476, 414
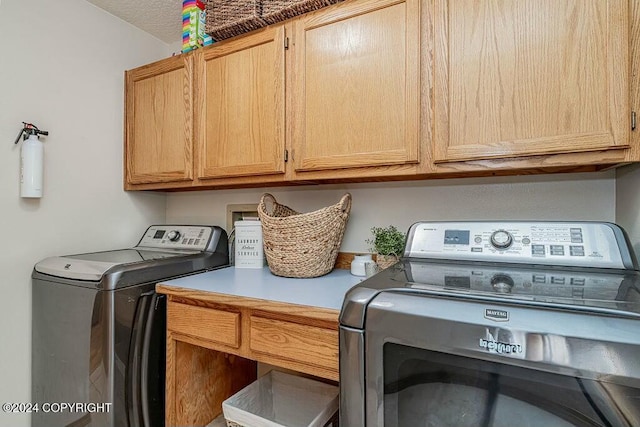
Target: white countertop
325, 292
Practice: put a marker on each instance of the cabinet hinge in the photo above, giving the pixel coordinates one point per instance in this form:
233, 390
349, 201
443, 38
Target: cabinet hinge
286, 43
286, 156
633, 120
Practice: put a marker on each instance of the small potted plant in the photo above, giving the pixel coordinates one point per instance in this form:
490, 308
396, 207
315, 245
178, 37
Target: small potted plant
387, 244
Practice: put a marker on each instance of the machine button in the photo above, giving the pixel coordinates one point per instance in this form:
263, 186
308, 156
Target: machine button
576, 235
576, 250
478, 239
526, 241
557, 280
556, 250
537, 250
539, 278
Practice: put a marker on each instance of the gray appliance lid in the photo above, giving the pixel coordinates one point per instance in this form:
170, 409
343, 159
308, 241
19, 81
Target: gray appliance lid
92, 266
164, 251
604, 291
582, 289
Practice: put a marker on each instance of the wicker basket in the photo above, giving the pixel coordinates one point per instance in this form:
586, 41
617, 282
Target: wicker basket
302, 245
228, 18
274, 11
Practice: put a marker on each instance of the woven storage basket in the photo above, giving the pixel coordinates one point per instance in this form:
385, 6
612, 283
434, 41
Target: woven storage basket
228, 18
274, 11
302, 244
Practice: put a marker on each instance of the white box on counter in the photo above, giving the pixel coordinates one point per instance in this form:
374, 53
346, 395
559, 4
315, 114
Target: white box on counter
249, 252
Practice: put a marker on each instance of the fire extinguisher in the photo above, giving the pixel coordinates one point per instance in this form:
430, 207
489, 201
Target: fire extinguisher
31, 160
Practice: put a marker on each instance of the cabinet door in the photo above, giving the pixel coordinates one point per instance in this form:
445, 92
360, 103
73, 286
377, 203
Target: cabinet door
530, 77
159, 122
355, 88
240, 107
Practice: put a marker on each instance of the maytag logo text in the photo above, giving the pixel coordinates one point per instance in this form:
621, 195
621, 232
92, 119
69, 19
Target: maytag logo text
497, 315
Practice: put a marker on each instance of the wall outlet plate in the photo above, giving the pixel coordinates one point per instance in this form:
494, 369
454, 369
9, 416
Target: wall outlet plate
237, 212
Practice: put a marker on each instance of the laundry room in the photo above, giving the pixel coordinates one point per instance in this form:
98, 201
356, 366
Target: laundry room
63, 70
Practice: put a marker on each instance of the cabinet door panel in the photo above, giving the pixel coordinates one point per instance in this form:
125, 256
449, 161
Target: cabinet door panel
159, 117
356, 86
300, 343
517, 78
241, 114
218, 326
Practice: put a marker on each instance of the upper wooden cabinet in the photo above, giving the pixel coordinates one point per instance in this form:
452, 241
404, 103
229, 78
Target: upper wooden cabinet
530, 77
240, 107
159, 122
355, 89
345, 97
393, 89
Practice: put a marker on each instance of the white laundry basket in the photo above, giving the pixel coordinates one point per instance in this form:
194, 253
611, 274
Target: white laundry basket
279, 399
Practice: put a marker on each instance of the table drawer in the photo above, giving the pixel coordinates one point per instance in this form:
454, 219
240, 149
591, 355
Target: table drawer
214, 325
310, 345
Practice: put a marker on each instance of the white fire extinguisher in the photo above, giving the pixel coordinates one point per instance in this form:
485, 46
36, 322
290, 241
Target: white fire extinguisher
31, 161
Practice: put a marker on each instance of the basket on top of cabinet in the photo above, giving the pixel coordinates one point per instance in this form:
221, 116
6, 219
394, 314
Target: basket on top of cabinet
228, 18
274, 11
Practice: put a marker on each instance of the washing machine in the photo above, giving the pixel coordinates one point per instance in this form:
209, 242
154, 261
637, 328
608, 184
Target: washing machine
98, 327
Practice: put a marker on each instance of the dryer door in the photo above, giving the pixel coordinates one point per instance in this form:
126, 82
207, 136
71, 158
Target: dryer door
441, 362
145, 383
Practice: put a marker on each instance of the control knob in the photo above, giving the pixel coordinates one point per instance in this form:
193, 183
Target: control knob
173, 235
502, 283
501, 239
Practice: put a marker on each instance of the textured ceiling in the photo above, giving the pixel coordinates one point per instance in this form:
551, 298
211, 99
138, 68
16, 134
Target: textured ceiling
161, 18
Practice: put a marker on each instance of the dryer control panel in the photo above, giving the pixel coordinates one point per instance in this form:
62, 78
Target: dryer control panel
580, 244
195, 238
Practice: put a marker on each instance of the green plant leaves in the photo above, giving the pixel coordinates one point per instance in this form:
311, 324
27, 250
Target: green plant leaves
387, 240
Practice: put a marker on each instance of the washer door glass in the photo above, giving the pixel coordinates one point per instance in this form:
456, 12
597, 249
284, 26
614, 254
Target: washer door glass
427, 388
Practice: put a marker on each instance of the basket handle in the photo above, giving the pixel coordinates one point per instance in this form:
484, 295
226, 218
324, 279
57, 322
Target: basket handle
263, 202
345, 203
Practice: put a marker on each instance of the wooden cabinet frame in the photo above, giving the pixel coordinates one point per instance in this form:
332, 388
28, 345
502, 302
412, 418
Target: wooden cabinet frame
437, 157
355, 21
214, 341
613, 135
149, 143
219, 125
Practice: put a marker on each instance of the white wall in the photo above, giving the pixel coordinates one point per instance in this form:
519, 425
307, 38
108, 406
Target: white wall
588, 196
628, 202
61, 67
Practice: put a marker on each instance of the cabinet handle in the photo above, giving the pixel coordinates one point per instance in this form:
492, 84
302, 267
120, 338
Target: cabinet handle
633, 120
